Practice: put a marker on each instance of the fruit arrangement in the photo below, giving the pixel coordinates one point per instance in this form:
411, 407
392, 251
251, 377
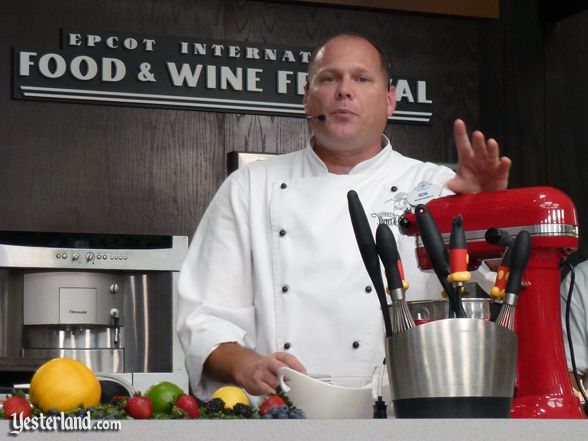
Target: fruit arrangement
65, 385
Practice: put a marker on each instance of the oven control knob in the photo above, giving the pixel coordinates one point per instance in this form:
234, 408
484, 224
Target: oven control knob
75, 256
90, 257
113, 288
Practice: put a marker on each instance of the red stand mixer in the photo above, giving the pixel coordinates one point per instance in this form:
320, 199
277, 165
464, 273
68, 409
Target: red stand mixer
542, 388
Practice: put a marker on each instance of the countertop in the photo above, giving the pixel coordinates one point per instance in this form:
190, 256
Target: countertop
326, 430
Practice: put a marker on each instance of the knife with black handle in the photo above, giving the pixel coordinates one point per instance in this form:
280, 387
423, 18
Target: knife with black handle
369, 253
433, 243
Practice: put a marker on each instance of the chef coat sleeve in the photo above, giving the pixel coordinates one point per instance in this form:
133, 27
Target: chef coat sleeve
578, 315
215, 285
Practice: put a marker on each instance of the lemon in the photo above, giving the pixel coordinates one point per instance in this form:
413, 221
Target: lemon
64, 384
231, 395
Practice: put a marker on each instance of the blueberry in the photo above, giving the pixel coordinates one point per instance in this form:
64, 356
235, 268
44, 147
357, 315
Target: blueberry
52, 412
283, 415
268, 416
274, 412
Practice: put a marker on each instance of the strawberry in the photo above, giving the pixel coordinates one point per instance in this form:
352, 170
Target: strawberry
189, 405
271, 402
138, 407
15, 405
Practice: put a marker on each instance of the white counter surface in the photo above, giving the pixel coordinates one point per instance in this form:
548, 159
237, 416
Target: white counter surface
326, 430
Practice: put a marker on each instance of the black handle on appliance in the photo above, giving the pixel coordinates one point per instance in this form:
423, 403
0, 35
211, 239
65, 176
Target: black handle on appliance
388, 251
497, 236
433, 243
369, 253
519, 258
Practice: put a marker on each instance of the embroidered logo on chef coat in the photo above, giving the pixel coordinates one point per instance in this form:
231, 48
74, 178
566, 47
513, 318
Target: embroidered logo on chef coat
390, 215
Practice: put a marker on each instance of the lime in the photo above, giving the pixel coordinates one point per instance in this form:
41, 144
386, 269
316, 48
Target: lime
163, 396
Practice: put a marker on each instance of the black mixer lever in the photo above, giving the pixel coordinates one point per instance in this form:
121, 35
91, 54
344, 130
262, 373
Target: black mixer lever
114, 313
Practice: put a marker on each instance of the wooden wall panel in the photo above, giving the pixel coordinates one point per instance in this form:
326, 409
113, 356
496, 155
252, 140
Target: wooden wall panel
93, 168
567, 133
512, 88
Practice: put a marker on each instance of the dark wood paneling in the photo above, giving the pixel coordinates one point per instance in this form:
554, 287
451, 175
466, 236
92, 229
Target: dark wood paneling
478, 8
78, 167
567, 135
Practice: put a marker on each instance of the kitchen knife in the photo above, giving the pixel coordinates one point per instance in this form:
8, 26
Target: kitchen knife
433, 243
369, 253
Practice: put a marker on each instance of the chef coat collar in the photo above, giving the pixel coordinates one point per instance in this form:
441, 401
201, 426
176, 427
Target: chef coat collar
319, 166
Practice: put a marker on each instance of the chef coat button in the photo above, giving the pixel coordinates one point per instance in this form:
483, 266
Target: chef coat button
282, 233
287, 346
368, 289
285, 288
394, 188
355, 344
284, 185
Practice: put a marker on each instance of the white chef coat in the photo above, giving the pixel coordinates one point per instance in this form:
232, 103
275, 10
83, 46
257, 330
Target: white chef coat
578, 316
274, 264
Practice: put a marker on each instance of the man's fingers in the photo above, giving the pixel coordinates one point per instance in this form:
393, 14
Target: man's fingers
291, 362
460, 133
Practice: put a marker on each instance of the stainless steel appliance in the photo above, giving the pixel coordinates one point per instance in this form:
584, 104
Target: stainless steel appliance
104, 299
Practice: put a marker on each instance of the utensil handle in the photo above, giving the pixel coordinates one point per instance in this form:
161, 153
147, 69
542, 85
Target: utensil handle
435, 247
518, 261
388, 251
369, 253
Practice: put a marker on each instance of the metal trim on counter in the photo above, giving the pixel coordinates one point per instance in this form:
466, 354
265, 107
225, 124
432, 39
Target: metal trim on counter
330, 430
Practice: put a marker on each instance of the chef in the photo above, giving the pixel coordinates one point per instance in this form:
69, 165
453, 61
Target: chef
273, 276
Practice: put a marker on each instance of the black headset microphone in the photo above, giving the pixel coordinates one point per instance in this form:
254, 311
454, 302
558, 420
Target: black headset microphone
322, 117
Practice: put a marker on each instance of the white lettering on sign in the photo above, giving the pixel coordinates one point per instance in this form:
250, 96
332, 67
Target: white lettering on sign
253, 80
81, 67
249, 53
422, 93
113, 69
112, 42
52, 65
24, 63
185, 75
225, 77
284, 81
403, 91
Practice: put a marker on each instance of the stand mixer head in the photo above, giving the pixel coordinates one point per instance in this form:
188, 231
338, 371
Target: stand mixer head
542, 388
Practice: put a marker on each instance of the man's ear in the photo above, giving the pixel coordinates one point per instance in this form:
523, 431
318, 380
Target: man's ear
391, 100
305, 99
